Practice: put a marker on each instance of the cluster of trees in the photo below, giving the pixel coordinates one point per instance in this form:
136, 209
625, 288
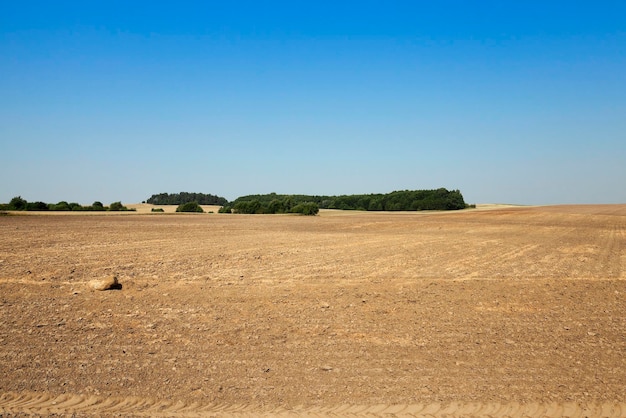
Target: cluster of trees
17, 203
185, 197
406, 200
274, 204
189, 207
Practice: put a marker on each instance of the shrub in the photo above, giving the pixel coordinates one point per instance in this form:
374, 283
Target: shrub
37, 206
189, 207
308, 208
117, 206
225, 209
157, 210
61, 206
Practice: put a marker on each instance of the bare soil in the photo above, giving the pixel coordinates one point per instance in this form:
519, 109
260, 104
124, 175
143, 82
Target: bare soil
279, 313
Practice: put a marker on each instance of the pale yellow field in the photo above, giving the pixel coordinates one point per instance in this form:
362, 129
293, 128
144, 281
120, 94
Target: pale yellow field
511, 311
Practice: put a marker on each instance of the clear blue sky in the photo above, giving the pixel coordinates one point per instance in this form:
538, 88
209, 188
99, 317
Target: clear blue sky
508, 101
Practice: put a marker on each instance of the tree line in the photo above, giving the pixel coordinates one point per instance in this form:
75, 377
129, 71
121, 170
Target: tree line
405, 200
186, 197
272, 205
17, 203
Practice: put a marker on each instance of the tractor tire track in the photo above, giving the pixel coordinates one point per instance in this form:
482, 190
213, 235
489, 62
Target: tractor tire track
610, 258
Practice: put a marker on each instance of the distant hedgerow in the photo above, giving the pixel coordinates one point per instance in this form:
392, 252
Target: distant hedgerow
17, 203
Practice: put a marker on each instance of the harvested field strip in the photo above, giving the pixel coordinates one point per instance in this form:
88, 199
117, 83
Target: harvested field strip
84, 406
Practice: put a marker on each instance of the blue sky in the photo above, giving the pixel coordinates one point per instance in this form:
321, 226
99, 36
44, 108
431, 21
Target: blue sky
509, 102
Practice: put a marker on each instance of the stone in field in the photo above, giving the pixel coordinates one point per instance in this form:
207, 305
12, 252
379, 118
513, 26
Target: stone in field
105, 284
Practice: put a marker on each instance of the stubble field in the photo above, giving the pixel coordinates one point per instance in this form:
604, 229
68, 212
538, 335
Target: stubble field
509, 311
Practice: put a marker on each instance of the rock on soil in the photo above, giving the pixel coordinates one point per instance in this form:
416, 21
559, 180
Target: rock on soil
105, 284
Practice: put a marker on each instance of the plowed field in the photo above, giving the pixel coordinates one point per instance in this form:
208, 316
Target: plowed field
510, 311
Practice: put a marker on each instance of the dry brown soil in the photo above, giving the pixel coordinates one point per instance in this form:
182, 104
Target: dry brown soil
510, 311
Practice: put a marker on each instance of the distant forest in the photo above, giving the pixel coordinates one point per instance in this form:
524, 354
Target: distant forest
407, 200
185, 197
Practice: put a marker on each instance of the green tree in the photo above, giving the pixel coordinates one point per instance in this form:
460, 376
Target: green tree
376, 204
308, 208
276, 206
249, 207
17, 203
61, 206
189, 207
226, 209
38, 206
